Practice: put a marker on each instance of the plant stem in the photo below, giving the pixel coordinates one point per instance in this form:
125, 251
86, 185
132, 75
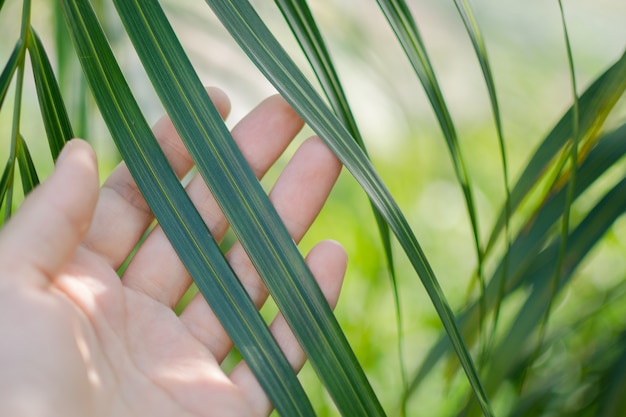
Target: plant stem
17, 104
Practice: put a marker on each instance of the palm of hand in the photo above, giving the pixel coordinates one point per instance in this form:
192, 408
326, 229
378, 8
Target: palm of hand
89, 343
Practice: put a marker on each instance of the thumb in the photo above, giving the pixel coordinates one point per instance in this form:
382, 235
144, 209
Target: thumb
47, 229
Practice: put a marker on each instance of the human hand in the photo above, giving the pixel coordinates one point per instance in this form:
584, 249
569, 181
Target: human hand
76, 340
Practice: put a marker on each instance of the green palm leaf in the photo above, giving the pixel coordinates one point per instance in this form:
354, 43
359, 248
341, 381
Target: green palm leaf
28, 173
6, 180
594, 104
573, 174
527, 248
539, 277
406, 30
255, 39
304, 28
9, 69
481, 52
55, 118
242, 199
176, 214
12, 66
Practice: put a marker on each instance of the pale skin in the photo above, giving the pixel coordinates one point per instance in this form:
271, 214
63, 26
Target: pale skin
76, 340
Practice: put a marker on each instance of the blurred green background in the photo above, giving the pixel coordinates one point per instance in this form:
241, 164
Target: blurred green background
527, 51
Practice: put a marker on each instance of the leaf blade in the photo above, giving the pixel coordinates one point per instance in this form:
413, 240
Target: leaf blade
51, 104
405, 27
527, 246
594, 104
237, 190
255, 39
6, 180
480, 50
305, 29
175, 212
28, 173
9, 69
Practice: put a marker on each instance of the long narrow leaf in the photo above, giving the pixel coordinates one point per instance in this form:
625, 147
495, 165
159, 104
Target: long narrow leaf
55, 118
480, 49
406, 30
248, 209
28, 173
176, 214
565, 218
481, 53
305, 29
9, 69
528, 245
17, 102
6, 179
595, 104
581, 240
70, 78
302, 24
257, 41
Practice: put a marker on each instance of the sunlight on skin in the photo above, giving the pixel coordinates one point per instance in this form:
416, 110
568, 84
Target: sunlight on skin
78, 341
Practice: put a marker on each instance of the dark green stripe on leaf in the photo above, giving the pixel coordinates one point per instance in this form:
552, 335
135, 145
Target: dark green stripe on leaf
177, 215
7, 179
55, 118
255, 39
28, 173
9, 69
304, 28
245, 204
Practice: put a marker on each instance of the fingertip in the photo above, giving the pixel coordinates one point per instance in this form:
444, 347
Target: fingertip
78, 160
319, 147
328, 261
78, 148
220, 99
73, 189
334, 249
282, 106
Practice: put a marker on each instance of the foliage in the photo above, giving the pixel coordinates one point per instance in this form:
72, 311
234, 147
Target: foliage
505, 347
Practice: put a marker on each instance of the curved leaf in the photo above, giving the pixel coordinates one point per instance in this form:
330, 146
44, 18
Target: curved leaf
55, 118
28, 173
581, 241
256, 40
247, 208
304, 28
9, 69
404, 26
178, 217
7, 179
481, 53
594, 104
565, 218
527, 247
